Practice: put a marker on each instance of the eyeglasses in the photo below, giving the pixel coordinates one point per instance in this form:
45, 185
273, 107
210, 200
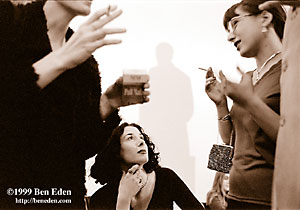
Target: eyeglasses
235, 20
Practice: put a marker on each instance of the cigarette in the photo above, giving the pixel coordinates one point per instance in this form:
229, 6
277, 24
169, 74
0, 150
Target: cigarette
203, 69
108, 10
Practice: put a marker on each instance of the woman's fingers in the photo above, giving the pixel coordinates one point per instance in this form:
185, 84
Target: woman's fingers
209, 81
133, 169
101, 33
114, 30
110, 8
222, 76
135, 172
147, 85
98, 14
268, 5
210, 73
146, 99
104, 42
223, 82
271, 4
96, 39
103, 21
97, 21
240, 70
109, 18
90, 36
210, 84
146, 95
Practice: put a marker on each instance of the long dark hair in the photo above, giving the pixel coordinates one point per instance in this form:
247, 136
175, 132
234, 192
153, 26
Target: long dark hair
107, 166
251, 6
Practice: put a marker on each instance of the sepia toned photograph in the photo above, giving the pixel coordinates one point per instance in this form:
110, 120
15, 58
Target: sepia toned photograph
149, 104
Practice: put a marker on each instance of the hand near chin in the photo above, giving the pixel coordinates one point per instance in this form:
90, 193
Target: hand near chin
130, 183
241, 93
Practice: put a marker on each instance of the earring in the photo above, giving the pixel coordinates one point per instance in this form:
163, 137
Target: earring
264, 29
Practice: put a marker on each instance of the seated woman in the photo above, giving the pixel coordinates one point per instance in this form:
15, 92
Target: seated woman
134, 180
216, 197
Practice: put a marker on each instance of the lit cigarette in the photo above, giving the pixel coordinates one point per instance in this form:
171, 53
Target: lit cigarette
203, 69
108, 10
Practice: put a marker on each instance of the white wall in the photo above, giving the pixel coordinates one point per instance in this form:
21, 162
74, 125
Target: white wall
193, 32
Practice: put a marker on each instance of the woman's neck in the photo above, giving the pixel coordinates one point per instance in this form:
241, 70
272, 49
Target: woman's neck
58, 20
126, 167
269, 47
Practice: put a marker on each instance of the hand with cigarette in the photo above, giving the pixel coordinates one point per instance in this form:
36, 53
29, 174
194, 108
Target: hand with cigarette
108, 10
90, 36
213, 88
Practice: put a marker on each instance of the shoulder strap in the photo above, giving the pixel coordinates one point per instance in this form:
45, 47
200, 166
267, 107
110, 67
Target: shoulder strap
232, 138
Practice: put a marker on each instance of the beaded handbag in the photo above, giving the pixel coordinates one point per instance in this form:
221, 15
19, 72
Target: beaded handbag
220, 157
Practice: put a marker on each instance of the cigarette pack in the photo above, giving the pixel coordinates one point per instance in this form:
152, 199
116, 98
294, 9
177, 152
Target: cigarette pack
133, 85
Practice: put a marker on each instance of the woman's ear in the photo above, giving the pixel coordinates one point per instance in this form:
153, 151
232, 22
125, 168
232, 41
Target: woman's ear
267, 18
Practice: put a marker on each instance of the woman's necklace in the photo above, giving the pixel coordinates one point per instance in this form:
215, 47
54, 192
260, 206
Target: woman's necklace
258, 71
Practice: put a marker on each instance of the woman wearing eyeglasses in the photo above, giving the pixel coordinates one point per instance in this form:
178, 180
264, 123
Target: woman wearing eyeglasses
254, 116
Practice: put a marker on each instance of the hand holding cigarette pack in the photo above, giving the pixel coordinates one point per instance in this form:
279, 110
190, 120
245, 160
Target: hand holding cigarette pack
133, 85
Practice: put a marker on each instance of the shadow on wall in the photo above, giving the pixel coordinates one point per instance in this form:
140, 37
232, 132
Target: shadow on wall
166, 116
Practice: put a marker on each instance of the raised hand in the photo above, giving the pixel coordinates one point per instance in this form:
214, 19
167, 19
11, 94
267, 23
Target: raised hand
90, 36
241, 93
213, 88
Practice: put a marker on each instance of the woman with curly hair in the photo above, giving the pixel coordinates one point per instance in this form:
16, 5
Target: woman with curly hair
52, 104
134, 180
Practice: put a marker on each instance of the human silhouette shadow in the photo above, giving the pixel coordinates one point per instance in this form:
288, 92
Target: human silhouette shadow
166, 116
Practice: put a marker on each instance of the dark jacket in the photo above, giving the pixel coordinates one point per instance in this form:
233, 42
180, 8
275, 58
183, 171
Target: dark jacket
169, 189
45, 134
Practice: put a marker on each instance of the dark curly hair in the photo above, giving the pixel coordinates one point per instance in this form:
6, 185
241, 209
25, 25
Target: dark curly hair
251, 6
107, 165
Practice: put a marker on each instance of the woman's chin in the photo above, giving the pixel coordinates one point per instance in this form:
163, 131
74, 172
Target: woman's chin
246, 53
142, 162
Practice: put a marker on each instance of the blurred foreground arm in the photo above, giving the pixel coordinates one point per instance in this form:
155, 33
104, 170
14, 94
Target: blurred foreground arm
270, 4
